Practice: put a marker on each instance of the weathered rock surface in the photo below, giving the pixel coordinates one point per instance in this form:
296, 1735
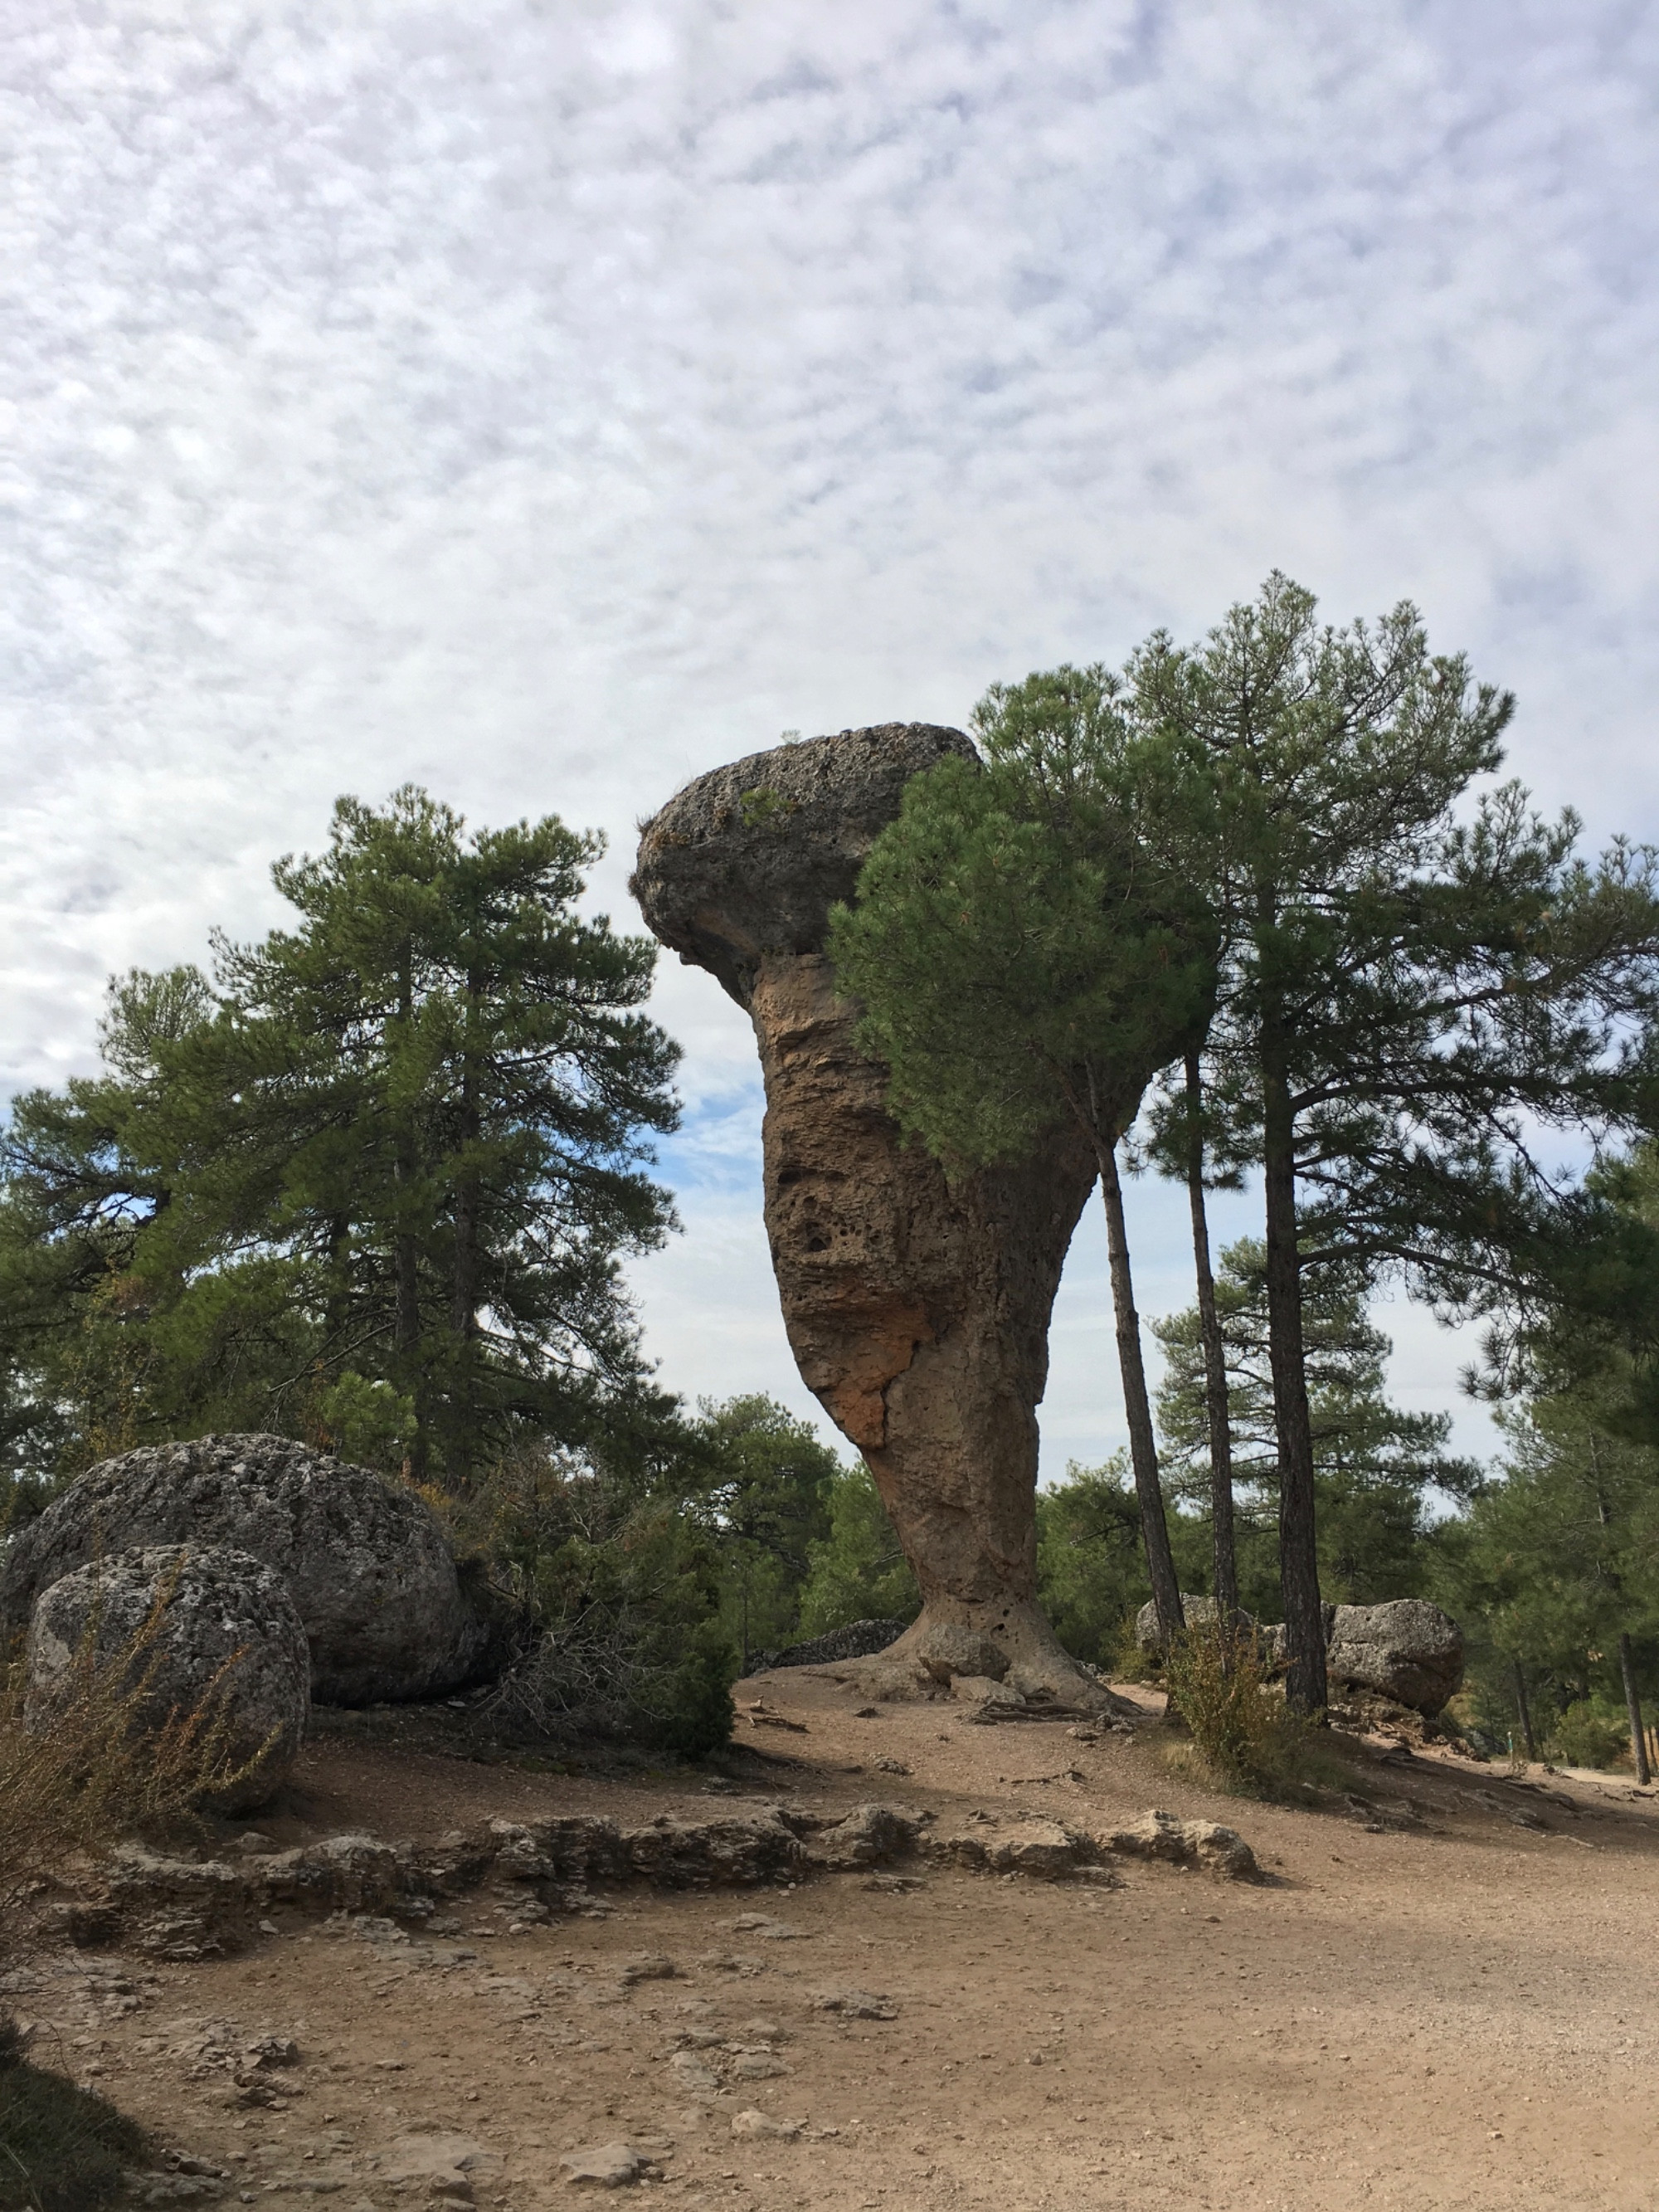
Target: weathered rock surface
917, 1308
1187, 1842
228, 1640
947, 1651
1406, 1650
858, 1639
1196, 1611
364, 1559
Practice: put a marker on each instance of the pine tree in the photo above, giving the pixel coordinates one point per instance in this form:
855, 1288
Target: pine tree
376, 1183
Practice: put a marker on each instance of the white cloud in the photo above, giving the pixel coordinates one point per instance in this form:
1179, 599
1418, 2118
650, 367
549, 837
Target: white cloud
547, 402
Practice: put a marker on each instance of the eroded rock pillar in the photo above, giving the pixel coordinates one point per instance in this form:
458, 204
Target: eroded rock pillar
917, 1309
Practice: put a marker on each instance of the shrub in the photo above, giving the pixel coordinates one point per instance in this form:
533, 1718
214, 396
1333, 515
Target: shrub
619, 1603
1241, 1727
1590, 1732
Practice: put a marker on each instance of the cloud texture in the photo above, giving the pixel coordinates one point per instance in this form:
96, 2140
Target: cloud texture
545, 401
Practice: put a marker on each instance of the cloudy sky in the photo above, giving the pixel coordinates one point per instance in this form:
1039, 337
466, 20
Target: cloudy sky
546, 400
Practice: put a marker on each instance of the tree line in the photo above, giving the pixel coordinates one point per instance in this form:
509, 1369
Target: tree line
1255, 908
1258, 898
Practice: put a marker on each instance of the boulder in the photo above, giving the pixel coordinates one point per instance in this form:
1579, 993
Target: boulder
1196, 1611
857, 1640
917, 1303
364, 1559
228, 1639
1406, 1650
944, 1650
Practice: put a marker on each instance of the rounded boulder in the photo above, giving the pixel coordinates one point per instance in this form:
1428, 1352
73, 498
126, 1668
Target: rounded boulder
227, 1641
365, 1561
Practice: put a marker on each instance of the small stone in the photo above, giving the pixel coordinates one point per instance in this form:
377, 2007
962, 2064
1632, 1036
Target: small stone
648, 1967
752, 2124
694, 2077
606, 2165
855, 2004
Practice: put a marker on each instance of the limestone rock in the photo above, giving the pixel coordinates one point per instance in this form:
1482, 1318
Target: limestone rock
1187, 1842
945, 1650
916, 1306
228, 1639
868, 1835
753, 2124
857, 1640
364, 1559
606, 2165
1406, 1650
1197, 1611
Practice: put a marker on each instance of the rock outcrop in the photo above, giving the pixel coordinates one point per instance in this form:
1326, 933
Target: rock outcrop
1406, 1650
364, 1559
227, 1641
917, 1308
858, 1639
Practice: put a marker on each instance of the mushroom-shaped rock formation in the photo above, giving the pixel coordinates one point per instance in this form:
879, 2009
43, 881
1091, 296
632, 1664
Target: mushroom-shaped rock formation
917, 1308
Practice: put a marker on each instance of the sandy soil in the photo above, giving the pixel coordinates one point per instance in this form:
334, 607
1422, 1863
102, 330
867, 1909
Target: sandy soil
1426, 2004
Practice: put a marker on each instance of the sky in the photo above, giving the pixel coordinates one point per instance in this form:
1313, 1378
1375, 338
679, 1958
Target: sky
546, 401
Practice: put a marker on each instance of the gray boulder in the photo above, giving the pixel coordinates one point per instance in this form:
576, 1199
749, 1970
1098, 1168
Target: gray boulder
858, 1639
1406, 1650
944, 1650
364, 1559
228, 1636
1197, 1611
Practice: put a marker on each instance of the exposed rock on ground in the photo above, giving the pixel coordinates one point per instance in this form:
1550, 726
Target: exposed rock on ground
185, 1909
228, 1639
364, 1559
917, 1308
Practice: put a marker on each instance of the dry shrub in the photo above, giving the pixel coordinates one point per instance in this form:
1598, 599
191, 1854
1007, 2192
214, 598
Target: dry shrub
101, 1772
1242, 1731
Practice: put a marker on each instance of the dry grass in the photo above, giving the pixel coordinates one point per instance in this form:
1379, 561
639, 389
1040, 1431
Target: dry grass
102, 1769
1242, 1735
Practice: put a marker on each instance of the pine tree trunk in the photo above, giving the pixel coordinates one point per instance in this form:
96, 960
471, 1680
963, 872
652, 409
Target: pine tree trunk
1525, 1711
1298, 1558
1638, 1747
1215, 1359
1137, 1409
407, 1265
461, 1415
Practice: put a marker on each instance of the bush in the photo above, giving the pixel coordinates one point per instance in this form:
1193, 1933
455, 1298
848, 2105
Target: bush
1241, 1727
61, 2150
1590, 1732
619, 1604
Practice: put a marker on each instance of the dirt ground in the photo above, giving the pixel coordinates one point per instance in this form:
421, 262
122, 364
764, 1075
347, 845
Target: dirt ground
1442, 1996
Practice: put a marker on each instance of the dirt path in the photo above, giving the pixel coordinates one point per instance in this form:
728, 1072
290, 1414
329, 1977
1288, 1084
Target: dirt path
1455, 2011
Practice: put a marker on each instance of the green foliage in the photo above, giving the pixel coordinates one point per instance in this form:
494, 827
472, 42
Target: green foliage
1023, 950
768, 1494
1556, 1560
621, 1593
373, 1184
1591, 1732
1091, 1572
62, 2149
857, 1571
1376, 1467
